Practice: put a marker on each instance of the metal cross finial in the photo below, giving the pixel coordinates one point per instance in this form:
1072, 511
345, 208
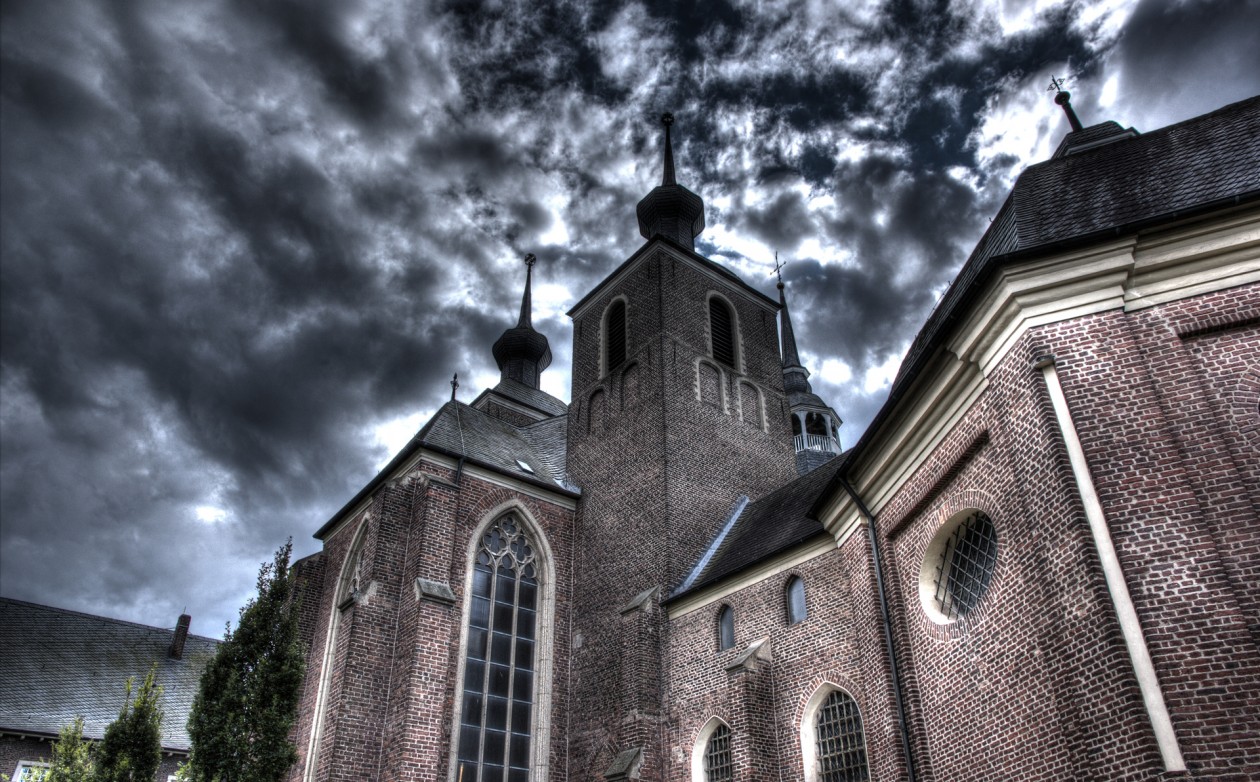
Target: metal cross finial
1056, 84
530, 260
455, 383
778, 267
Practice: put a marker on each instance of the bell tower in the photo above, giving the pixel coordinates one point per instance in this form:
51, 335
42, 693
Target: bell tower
677, 417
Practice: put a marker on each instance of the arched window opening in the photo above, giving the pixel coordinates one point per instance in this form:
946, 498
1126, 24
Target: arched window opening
726, 628
957, 566
796, 600
838, 740
796, 425
496, 717
815, 423
615, 336
719, 765
721, 328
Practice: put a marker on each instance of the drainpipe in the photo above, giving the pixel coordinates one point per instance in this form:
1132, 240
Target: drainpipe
883, 610
1121, 601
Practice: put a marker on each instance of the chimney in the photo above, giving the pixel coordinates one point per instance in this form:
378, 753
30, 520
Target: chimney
181, 635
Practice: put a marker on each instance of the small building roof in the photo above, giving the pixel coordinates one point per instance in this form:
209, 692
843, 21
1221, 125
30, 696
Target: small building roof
768, 526
56, 665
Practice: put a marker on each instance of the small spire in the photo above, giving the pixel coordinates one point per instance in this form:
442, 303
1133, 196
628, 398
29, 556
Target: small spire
791, 358
526, 319
778, 269
667, 119
454, 385
1064, 99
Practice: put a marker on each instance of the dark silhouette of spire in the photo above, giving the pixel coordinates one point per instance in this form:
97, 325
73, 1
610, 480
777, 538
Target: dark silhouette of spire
671, 209
795, 376
522, 353
1064, 99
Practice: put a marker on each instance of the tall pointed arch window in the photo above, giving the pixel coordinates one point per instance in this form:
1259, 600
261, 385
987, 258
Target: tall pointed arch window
497, 707
615, 335
722, 331
719, 766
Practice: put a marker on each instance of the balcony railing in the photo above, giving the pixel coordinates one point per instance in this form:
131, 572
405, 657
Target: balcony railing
816, 442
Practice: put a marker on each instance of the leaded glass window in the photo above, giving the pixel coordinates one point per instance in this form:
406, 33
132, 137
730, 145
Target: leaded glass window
718, 764
796, 600
965, 566
722, 330
496, 720
840, 744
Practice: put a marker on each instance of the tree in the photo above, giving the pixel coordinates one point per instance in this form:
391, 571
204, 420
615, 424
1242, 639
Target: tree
132, 748
247, 701
71, 756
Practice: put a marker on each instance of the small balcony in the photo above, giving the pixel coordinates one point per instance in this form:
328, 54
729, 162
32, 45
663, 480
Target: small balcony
816, 442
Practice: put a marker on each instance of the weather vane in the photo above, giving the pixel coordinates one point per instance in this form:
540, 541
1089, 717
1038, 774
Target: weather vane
667, 119
778, 268
455, 378
530, 260
1056, 84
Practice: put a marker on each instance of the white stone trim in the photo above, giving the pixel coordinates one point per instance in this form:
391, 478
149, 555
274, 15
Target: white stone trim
1130, 626
330, 652
809, 742
701, 743
544, 645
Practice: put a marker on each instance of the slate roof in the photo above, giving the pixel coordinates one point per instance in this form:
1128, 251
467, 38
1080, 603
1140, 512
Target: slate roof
56, 665
530, 397
1106, 190
768, 526
462, 430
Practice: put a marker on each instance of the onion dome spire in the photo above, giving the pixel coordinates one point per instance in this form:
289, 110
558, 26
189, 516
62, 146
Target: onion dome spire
522, 353
671, 209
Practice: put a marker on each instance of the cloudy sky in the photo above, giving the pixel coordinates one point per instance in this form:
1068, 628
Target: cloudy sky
246, 244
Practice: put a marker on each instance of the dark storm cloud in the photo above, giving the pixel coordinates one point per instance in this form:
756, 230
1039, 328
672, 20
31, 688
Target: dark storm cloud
240, 237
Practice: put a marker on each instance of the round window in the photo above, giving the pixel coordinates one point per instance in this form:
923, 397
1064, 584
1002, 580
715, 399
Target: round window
958, 566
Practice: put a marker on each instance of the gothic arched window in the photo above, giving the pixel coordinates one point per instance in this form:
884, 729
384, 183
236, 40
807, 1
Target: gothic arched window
726, 628
615, 335
722, 331
497, 707
718, 764
839, 743
795, 594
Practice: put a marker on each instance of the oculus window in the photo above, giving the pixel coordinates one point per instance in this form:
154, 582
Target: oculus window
958, 566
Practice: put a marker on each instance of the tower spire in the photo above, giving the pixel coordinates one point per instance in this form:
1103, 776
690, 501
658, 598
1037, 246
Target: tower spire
670, 209
814, 423
667, 120
522, 353
1064, 99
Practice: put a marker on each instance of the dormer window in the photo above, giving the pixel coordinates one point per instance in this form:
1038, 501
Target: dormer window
722, 331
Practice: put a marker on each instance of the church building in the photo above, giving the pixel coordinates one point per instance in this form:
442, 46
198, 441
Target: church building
1040, 562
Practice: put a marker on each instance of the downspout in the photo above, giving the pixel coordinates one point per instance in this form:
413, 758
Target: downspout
883, 610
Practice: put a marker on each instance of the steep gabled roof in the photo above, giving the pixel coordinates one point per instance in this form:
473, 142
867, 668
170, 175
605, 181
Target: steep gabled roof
56, 665
461, 431
770, 525
516, 391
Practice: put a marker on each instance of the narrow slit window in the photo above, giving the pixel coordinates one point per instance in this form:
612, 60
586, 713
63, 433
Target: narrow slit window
615, 335
721, 327
726, 628
796, 600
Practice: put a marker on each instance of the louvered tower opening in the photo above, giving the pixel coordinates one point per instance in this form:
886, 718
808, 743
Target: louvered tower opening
723, 335
615, 336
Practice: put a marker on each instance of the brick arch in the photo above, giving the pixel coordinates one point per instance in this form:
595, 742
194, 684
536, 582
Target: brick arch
700, 743
807, 713
1246, 407
706, 393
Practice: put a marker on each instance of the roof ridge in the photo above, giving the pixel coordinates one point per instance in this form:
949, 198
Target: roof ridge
99, 617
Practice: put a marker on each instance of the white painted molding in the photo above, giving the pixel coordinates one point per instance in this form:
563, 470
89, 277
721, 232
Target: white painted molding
1130, 627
